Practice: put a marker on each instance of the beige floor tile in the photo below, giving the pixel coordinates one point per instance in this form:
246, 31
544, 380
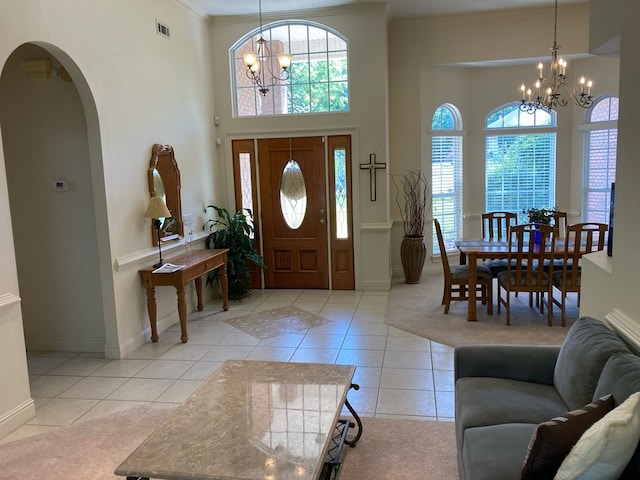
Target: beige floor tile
365, 342
272, 354
408, 344
185, 352
286, 340
407, 402
201, 371
408, 379
169, 369
362, 328
26, 431
141, 389
62, 412
443, 380
80, 366
361, 358
445, 404
239, 339
367, 377
220, 353
93, 388
398, 359
179, 391
53, 385
315, 355
121, 368
107, 407
320, 340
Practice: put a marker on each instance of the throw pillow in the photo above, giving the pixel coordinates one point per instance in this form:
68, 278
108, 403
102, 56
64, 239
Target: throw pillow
604, 450
552, 441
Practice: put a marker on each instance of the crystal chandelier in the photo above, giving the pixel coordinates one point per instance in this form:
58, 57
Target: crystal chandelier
258, 63
547, 94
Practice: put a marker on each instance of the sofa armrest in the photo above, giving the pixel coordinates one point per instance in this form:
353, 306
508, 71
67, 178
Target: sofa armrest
528, 363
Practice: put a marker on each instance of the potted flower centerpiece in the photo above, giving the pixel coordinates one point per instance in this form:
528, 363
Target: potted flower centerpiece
541, 216
235, 232
412, 197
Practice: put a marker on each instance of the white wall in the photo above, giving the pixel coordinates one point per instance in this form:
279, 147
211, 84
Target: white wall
365, 28
479, 67
609, 288
45, 139
137, 89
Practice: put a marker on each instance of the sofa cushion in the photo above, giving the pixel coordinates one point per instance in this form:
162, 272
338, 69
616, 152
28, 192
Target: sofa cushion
482, 401
621, 377
587, 347
552, 440
604, 449
495, 451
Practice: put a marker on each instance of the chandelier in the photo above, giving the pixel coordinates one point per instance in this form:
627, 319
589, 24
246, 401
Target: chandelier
547, 93
258, 63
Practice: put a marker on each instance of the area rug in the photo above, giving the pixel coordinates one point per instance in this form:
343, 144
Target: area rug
388, 450
91, 449
417, 309
277, 321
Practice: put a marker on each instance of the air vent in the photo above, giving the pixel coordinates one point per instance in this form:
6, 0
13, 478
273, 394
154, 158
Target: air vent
162, 29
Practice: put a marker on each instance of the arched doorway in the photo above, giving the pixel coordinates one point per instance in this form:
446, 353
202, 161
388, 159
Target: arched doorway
56, 194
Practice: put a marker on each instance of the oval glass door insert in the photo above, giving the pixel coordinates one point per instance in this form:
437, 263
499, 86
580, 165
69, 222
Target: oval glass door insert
293, 195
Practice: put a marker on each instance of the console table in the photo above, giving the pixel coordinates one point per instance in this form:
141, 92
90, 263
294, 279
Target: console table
196, 264
251, 420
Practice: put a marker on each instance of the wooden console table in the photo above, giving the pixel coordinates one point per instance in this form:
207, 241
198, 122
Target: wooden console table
196, 264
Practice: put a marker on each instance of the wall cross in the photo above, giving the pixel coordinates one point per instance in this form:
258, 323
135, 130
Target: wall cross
372, 166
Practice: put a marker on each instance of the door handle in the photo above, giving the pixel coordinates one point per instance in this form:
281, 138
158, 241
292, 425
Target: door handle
322, 212
323, 221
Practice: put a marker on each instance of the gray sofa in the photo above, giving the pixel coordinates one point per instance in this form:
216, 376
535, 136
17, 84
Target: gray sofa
503, 392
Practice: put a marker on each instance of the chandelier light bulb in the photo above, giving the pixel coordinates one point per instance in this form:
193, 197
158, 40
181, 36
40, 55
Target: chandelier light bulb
250, 58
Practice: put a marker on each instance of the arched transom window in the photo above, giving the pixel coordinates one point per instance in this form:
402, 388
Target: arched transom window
318, 78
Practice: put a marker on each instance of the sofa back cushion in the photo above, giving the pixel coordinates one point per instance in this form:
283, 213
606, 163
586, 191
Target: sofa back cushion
587, 347
621, 377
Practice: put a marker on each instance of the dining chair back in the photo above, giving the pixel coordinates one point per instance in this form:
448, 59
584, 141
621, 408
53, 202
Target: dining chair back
495, 225
530, 246
456, 279
581, 238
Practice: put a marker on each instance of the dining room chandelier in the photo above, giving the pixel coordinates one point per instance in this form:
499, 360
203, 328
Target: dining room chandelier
259, 63
548, 94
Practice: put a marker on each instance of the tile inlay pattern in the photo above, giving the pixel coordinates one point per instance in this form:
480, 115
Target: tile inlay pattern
249, 420
271, 323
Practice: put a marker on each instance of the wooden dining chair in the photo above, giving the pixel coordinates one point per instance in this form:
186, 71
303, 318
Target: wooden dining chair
581, 238
495, 226
529, 247
456, 279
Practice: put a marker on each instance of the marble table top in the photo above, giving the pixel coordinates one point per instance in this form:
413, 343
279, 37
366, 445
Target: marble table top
251, 420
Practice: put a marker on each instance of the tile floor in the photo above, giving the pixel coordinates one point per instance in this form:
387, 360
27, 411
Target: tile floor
400, 374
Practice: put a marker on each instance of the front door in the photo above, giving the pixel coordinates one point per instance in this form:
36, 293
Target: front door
294, 212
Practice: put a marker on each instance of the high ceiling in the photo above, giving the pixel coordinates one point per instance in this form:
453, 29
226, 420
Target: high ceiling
399, 8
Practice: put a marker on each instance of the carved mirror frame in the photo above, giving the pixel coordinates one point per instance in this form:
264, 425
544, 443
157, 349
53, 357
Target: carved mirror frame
163, 166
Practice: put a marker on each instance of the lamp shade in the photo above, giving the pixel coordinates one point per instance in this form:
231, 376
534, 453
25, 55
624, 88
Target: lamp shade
157, 208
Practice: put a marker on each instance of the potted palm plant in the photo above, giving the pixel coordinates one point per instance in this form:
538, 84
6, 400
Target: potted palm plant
412, 197
235, 232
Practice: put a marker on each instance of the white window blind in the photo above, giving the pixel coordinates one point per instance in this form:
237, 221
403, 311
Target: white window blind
446, 175
601, 140
520, 162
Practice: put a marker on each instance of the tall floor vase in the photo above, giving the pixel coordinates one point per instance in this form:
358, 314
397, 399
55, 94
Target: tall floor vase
413, 253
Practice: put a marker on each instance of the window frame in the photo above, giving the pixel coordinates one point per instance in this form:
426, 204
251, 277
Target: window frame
541, 124
451, 231
606, 127
279, 100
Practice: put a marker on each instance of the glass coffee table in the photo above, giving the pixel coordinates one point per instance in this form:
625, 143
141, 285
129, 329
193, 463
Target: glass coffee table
253, 420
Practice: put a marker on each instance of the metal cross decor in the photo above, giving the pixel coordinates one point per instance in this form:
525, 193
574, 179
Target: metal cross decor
372, 166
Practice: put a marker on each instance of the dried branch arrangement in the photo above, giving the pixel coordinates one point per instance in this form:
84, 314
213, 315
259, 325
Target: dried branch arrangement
415, 189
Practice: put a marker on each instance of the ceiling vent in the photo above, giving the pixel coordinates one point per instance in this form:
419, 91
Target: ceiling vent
162, 29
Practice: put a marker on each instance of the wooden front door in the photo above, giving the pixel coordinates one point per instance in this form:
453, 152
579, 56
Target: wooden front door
294, 212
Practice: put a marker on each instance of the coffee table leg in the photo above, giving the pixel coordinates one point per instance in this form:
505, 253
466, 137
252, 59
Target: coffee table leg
356, 417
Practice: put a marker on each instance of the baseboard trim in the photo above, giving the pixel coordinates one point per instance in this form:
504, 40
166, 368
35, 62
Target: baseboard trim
17, 417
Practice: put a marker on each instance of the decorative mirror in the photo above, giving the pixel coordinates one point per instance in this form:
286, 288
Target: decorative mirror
164, 181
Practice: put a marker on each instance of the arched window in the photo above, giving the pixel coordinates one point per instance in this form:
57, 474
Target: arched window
520, 159
601, 140
318, 76
446, 174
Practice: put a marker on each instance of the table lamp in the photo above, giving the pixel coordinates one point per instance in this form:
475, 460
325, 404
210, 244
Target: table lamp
157, 209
